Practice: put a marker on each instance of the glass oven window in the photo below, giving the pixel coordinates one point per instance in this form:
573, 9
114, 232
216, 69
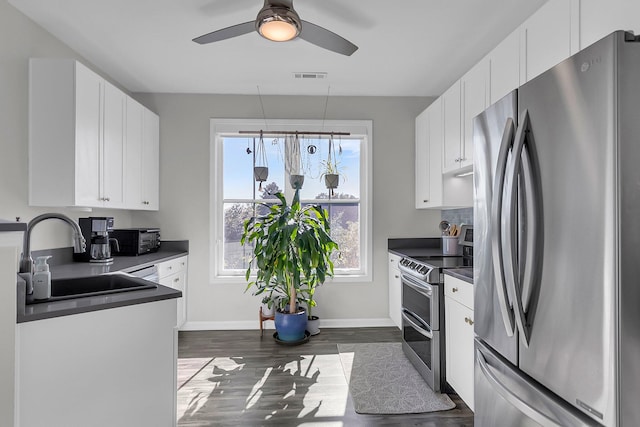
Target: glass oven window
417, 303
420, 344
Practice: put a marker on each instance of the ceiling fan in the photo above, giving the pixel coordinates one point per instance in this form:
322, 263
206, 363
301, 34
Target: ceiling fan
278, 21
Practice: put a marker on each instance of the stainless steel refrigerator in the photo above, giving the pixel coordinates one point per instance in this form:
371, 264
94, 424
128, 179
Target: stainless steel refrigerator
557, 245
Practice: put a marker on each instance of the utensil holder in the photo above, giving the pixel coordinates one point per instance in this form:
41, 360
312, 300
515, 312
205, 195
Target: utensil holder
450, 245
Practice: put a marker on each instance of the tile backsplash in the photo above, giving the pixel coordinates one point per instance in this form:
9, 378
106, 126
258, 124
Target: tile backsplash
458, 216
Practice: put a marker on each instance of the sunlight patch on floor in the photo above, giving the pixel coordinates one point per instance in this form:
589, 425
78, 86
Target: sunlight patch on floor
308, 387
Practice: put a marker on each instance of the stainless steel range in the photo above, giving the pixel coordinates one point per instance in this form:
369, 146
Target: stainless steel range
423, 313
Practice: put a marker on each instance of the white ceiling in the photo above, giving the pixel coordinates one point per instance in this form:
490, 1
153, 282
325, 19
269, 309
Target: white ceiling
145, 45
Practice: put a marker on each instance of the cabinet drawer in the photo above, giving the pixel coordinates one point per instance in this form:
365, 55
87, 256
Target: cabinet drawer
172, 266
459, 290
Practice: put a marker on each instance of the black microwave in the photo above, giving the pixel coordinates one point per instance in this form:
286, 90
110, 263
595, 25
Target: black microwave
136, 241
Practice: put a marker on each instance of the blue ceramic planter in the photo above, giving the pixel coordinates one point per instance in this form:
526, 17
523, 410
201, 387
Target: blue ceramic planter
291, 327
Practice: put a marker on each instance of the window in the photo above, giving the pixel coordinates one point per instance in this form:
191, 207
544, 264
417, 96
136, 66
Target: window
236, 196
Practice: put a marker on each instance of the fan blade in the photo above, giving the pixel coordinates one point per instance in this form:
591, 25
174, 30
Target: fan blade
326, 39
227, 33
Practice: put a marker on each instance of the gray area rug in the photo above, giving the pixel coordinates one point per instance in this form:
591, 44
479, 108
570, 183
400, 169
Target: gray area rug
383, 381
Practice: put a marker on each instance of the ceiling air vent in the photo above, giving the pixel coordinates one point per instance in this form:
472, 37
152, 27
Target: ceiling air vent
312, 76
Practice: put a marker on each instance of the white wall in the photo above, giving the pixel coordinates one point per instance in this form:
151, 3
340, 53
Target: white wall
20, 39
184, 198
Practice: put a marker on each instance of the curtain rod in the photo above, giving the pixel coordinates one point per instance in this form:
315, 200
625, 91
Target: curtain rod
277, 132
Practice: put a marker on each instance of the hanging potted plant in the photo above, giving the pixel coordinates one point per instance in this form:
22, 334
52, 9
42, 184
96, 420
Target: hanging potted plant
291, 255
260, 168
293, 161
330, 172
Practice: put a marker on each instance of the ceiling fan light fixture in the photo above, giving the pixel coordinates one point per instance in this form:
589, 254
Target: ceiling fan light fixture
278, 24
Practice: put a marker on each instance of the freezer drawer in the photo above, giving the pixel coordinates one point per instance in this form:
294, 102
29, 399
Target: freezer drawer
505, 396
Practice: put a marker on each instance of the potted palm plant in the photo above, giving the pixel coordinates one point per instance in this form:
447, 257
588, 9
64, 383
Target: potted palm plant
291, 256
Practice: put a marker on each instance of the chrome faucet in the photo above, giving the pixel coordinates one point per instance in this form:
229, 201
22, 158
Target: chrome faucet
26, 262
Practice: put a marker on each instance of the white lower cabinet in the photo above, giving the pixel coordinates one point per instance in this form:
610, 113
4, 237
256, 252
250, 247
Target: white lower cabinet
173, 274
395, 290
113, 367
459, 337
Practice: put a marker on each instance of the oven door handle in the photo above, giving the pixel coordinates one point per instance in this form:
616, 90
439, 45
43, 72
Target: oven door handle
422, 288
408, 315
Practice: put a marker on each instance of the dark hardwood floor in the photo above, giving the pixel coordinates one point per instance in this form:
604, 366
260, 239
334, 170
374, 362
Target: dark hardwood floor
237, 378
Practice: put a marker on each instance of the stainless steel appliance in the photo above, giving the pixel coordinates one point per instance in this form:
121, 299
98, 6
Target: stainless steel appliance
555, 255
137, 241
149, 273
423, 314
96, 232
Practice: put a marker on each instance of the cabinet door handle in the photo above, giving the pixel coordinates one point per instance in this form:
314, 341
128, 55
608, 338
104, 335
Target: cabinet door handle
469, 321
107, 199
177, 279
396, 276
457, 160
425, 201
454, 289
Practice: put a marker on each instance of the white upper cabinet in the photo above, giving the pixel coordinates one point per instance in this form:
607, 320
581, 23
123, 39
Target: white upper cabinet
112, 165
463, 101
434, 189
451, 113
83, 151
150, 160
504, 67
599, 18
423, 195
78, 132
475, 98
142, 158
429, 156
545, 38
133, 158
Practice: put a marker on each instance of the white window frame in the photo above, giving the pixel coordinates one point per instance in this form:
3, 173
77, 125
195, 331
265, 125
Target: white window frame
220, 128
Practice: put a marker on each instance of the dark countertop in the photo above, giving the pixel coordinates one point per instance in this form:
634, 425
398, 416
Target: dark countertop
465, 274
427, 247
62, 265
67, 268
12, 225
416, 247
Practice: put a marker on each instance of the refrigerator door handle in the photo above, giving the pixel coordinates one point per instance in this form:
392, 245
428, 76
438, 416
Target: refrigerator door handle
533, 236
525, 164
510, 397
496, 226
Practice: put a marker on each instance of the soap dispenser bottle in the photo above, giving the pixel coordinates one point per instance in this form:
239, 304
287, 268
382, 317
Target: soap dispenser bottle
42, 279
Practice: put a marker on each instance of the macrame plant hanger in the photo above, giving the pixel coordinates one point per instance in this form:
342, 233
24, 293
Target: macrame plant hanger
260, 166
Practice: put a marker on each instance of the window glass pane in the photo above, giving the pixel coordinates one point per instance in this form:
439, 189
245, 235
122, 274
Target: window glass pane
347, 157
349, 162
345, 231
235, 255
275, 180
240, 153
237, 170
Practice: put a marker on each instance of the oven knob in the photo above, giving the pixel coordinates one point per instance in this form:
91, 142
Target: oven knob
423, 270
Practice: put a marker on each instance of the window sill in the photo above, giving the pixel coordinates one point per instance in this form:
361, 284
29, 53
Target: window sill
345, 278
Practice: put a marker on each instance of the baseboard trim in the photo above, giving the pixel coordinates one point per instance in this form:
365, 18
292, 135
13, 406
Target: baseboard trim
253, 324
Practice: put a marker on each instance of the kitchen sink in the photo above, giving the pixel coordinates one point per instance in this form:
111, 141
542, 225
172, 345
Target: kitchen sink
103, 284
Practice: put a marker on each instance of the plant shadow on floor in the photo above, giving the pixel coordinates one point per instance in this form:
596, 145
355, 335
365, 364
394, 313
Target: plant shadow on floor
246, 387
